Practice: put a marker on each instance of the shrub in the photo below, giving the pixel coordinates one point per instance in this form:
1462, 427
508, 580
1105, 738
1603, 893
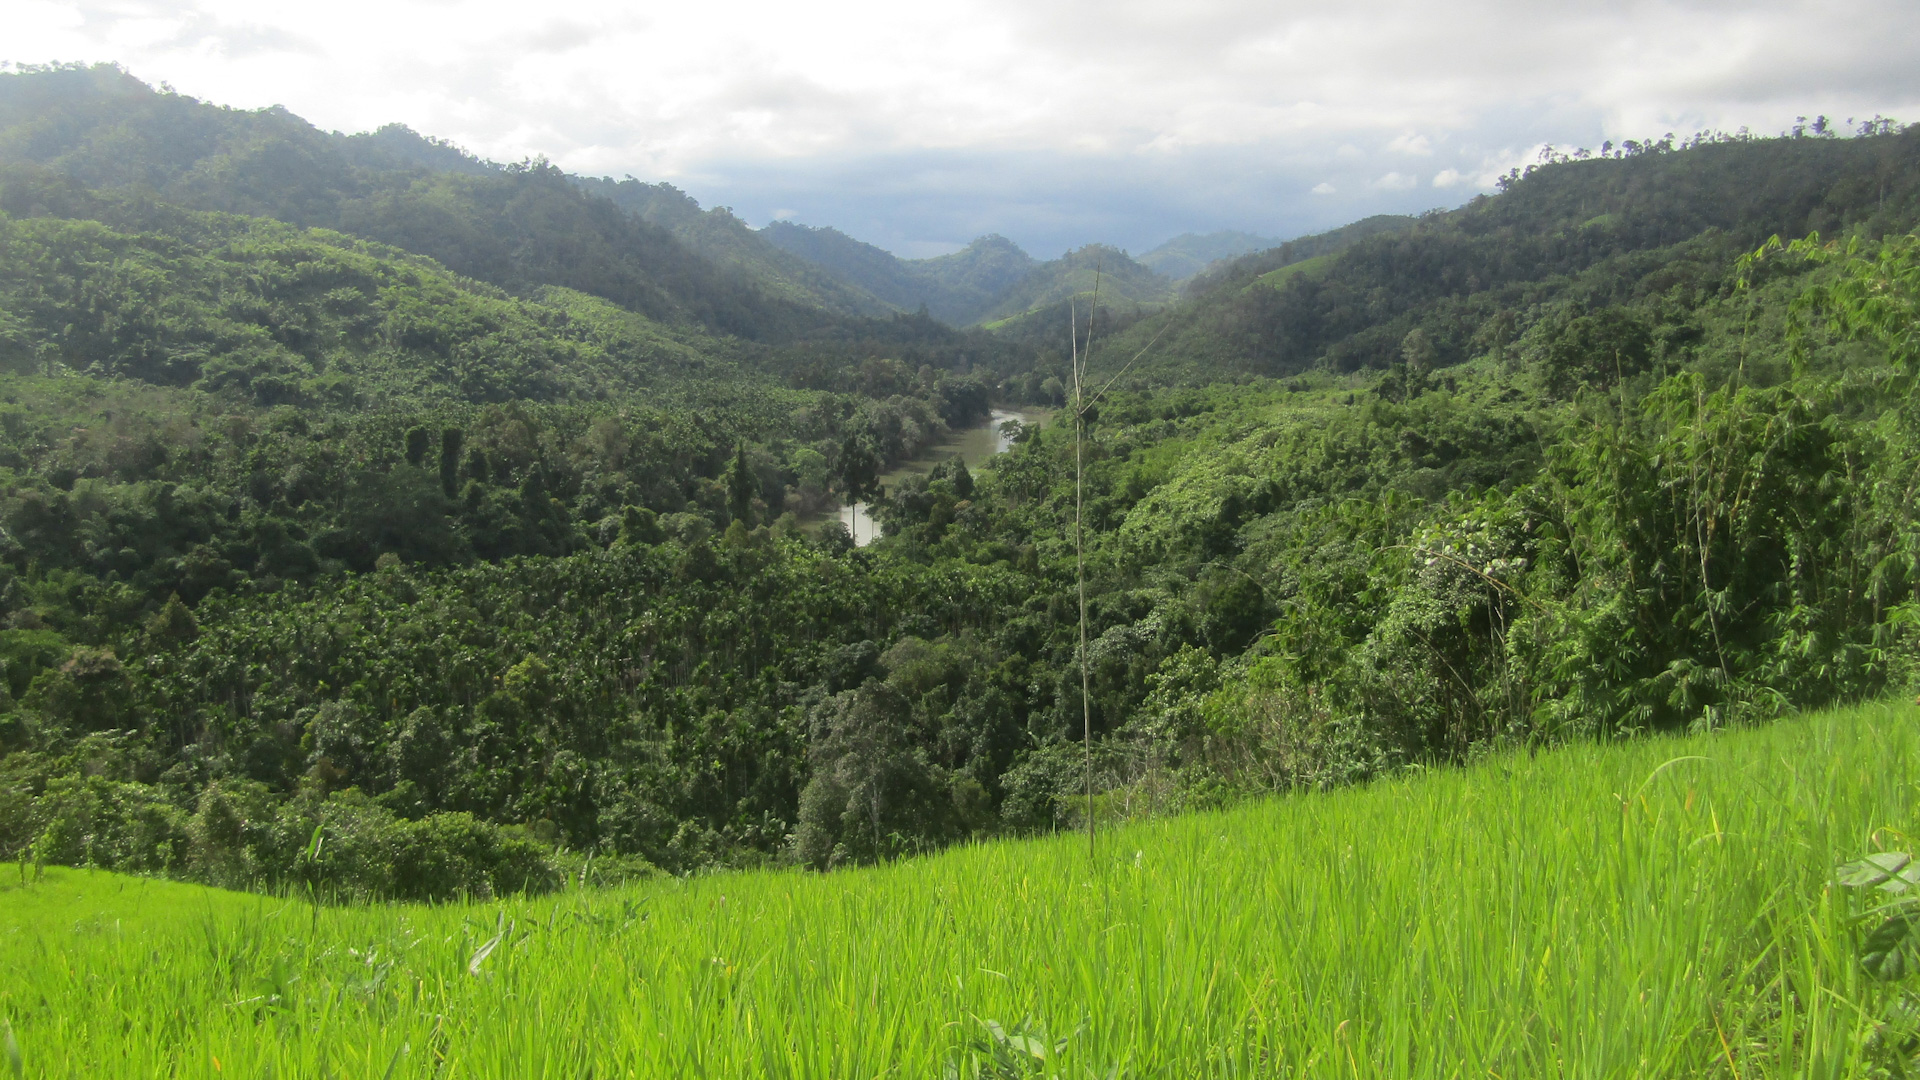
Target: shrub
447, 855
91, 821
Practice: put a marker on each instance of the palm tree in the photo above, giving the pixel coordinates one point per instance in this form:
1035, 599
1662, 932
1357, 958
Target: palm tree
859, 473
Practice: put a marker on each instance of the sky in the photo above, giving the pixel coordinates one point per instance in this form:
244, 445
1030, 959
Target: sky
918, 127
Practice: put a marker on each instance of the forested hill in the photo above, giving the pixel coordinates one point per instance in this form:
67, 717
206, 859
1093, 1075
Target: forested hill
1189, 253
1603, 229
519, 227
726, 241
955, 288
1321, 246
990, 281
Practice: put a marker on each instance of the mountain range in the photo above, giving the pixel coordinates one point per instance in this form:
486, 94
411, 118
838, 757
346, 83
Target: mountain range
647, 246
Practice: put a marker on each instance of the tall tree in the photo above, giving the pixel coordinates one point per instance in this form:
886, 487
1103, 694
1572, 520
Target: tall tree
742, 487
859, 473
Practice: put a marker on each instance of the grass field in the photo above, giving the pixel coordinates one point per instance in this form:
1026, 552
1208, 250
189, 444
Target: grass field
1316, 265
1653, 908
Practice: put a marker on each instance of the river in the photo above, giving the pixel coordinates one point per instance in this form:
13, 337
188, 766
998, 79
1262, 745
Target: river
973, 445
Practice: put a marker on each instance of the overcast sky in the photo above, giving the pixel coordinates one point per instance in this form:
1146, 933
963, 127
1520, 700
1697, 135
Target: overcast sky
920, 126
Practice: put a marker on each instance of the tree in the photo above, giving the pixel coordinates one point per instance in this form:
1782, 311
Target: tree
451, 440
742, 487
872, 793
91, 690
859, 471
961, 479
1418, 354
417, 442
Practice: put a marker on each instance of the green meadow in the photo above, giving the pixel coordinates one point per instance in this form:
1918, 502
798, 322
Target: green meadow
1660, 907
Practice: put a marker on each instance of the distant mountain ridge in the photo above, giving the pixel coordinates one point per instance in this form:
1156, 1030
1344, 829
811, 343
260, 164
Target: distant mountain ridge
722, 238
955, 288
649, 247
398, 143
1116, 277
1300, 249
1189, 253
989, 281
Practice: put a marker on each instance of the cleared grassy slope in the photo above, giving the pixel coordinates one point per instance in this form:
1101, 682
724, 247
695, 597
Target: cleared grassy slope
1653, 908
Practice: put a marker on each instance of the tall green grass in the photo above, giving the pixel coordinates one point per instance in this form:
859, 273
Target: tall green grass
1653, 908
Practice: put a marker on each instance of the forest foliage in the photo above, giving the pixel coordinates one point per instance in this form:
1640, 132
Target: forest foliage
455, 561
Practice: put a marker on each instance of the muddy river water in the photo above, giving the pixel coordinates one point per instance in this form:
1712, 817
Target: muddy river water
973, 445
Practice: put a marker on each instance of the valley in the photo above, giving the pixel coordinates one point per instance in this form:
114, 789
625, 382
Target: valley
481, 619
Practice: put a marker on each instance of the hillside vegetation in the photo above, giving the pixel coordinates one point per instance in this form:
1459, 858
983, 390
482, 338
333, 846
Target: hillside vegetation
1662, 907
516, 227
1189, 253
958, 288
723, 239
370, 561
990, 281
1632, 227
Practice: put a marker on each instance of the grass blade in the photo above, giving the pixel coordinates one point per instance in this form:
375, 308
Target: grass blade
480, 955
13, 1048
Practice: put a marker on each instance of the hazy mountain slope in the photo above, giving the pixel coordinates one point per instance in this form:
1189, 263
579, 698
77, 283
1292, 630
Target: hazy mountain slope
519, 227
726, 241
1189, 253
1300, 249
397, 145
874, 270
984, 269
1121, 281
961, 288
989, 281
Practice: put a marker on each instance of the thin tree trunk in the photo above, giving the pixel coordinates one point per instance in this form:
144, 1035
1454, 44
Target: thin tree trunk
1081, 353
1079, 357
1080, 572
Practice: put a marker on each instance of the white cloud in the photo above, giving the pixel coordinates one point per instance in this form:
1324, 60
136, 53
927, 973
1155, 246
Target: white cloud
1416, 145
1244, 102
1395, 181
1447, 178
1324, 188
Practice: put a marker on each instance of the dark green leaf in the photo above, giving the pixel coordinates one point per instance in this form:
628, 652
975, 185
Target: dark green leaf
1889, 951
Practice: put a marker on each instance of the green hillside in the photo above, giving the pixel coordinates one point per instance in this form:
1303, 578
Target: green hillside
1189, 253
282, 315
982, 272
1048, 287
518, 227
1664, 907
727, 242
1601, 230
1322, 246
990, 281
959, 288
1317, 264
871, 270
